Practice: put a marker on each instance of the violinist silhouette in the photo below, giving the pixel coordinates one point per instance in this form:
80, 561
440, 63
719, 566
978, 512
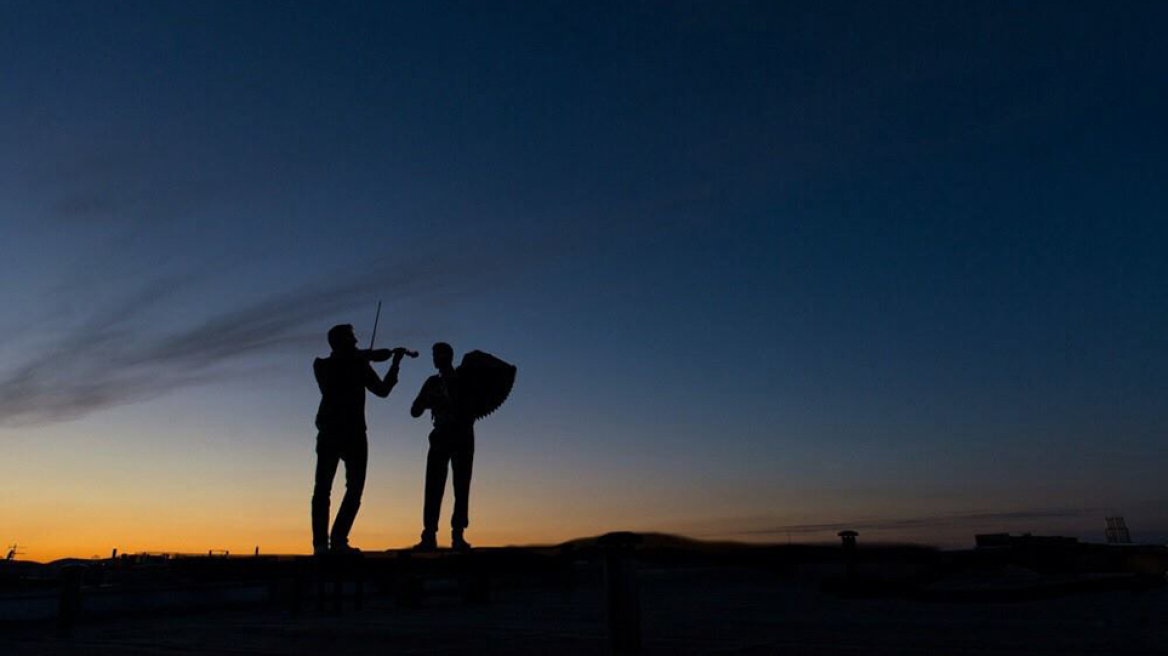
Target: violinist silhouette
343, 378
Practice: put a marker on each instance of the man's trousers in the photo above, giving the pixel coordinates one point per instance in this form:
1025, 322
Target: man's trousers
453, 448
331, 448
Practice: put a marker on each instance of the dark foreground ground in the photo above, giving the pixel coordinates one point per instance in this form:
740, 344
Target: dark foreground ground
688, 608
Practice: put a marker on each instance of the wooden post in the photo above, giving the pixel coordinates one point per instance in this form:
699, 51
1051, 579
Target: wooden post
69, 605
624, 602
474, 580
338, 585
321, 574
299, 575
408, 590
359, 595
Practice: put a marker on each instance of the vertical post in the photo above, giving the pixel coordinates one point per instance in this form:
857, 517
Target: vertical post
621, 591
338, 585
299, 574
474, 578
359, 593
321, 573
409, 591
69, 605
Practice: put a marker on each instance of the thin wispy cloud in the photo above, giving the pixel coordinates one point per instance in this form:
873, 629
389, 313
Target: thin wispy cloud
129, 180
117, 356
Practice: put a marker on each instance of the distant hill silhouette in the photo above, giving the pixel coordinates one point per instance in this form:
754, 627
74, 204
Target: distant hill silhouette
655, 540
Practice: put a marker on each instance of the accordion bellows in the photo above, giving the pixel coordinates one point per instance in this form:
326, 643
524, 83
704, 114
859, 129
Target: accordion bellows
484, 382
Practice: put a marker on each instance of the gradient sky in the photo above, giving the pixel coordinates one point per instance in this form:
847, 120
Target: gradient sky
767, 270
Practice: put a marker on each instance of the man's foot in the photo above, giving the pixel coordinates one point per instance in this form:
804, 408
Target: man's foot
320, 550
458, 543
344, 549
428, 543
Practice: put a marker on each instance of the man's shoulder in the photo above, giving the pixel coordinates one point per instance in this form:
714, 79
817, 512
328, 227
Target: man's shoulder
335, 365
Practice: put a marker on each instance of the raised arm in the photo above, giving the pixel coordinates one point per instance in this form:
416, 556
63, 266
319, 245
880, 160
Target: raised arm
383, 386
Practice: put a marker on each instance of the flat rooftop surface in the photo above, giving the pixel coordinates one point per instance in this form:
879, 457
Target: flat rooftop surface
686, 611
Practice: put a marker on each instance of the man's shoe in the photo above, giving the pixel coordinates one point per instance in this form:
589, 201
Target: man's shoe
320, 550
458, 543
344, 550
428, 543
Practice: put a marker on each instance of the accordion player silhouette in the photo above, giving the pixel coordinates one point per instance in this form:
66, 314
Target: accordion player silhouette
484, 383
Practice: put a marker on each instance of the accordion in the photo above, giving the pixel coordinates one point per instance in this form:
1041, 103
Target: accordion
484, 383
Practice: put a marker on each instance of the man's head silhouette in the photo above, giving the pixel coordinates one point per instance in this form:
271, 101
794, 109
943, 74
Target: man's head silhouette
443, 356
341, 338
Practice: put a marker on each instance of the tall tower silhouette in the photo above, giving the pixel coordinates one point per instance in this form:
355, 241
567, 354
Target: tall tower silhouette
1117, 532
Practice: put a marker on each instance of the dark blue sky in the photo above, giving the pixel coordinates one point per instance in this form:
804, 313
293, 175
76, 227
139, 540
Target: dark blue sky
763, 266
